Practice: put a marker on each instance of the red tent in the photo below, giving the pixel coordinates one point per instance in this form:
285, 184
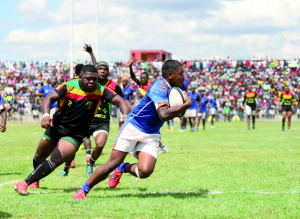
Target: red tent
150, 55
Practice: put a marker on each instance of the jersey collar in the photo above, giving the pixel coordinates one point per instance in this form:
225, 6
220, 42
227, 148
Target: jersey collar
166, 82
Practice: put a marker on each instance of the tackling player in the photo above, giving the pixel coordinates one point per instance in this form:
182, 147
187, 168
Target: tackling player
80, 100
140, 132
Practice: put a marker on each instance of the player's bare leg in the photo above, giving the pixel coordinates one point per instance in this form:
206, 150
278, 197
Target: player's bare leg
100, 140
289, 115
283, 119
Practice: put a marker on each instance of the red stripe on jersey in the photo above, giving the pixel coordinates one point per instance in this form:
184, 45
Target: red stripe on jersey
79, 97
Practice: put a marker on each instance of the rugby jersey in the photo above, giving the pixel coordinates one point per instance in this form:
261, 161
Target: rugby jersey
78, 107
104, 111
250, 98
286, 98
46, 89
2, 105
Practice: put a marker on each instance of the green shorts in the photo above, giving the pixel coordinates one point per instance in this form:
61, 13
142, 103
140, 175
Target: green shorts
55, 133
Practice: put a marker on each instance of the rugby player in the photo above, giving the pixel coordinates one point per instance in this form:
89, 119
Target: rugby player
140, 132
3, 114
80, 100
251, 101
45, 90
202, 109
192, 111
213, 109
285, 105
99, 128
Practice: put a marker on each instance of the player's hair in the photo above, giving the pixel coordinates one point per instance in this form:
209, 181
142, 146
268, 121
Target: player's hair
78, 69
88, 68
145, 73
170, 66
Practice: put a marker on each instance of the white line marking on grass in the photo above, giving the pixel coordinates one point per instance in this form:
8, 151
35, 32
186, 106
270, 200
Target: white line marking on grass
7, 183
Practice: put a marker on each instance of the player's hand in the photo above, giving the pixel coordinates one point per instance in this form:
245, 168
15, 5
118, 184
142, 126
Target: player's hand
123, 119
46, 122
279, 108
130, 61
3, 127
88, 48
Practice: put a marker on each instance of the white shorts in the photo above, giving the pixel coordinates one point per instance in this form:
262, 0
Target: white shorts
190, 113
202, 115
132, 139
52, 111
212, 111
249, 111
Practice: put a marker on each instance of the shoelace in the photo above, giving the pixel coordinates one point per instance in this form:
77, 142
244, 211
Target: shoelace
81, 192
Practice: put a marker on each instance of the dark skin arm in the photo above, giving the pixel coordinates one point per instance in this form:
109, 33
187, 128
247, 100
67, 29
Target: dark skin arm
120, 102
166, 113
132, 75
89, 50
244, 100
3, 116
40, 94
46, 106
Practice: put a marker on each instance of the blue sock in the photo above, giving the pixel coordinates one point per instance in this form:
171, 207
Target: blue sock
86, 188
122, 167
172, 124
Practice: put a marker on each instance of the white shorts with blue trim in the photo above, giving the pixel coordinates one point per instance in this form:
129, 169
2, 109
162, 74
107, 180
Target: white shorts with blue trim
133, 140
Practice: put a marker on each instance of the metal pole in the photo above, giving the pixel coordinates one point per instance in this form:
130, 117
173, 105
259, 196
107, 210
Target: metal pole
71, 49
97, 28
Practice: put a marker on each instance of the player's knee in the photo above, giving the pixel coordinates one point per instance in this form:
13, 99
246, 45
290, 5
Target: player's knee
100, 144
145, 172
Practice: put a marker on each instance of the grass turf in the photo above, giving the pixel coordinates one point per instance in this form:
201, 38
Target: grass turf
222, 172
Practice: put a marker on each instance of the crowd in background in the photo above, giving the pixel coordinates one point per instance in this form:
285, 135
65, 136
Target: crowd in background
225, 79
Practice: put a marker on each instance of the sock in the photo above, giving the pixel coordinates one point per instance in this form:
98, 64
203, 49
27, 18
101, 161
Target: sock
122, 167
40, 172
168, 122
86, 188
36, 163
172, 124
162, 146
88, 151
92, 161
288, 127
67, 168
192, 129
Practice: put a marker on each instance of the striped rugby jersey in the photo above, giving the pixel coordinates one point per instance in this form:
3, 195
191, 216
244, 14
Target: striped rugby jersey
78, 107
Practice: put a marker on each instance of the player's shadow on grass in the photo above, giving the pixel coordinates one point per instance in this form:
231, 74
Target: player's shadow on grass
7, 174
202, 193
5, 215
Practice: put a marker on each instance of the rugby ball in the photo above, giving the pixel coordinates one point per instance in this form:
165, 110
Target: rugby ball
175, 97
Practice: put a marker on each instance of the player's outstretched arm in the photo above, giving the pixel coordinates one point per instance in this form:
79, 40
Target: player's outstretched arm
50, 98
89, 50
132, 75
3, 116
166, 113
120, 102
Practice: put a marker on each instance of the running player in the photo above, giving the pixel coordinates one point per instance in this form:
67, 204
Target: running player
192, 111
202, 109
213, 109
80, 99
99, 128
45, 90
251, 101
285, 105
144, 85
140, 132
3, 114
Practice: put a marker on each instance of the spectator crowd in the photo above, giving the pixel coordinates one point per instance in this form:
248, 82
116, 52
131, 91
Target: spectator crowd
225, 79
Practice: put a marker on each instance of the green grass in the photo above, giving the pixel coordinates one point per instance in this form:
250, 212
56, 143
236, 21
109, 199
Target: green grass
225, 172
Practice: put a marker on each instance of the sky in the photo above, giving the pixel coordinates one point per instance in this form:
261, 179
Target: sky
189, 29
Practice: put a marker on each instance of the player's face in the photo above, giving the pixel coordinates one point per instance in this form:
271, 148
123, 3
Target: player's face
202, 93
89, 81
193, 90
144, 79
287, 89
125, 83
250, 88
102, 72
53, 81
177, 78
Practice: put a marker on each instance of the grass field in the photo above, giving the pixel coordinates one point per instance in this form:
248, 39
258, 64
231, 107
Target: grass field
224, 172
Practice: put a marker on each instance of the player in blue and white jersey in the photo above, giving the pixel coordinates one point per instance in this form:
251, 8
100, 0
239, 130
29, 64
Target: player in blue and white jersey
203, 109
45, 90
213, 109
140, 132
3, 114
192, 111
